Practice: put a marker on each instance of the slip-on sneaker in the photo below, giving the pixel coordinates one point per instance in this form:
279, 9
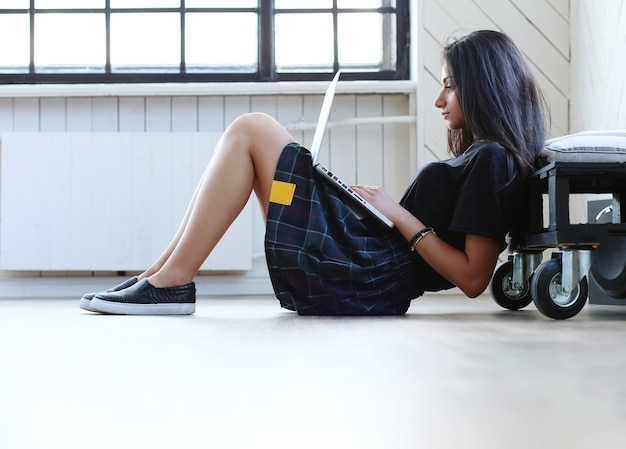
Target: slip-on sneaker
85, 301
145, 299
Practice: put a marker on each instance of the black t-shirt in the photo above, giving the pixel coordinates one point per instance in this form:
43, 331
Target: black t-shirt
471, 194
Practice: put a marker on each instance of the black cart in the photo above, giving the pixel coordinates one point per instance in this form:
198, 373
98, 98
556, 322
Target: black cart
558, 286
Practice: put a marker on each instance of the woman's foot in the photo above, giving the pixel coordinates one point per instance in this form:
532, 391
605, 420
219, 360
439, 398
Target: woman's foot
143, 298
85, 301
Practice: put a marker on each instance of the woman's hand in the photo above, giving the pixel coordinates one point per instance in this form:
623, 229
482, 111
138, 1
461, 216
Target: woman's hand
380, 199
470, 270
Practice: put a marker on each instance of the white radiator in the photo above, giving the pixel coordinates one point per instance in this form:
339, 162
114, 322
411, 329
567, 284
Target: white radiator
104, 201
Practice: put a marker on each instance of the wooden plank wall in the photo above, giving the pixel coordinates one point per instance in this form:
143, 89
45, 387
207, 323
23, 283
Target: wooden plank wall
539, 27
214, 113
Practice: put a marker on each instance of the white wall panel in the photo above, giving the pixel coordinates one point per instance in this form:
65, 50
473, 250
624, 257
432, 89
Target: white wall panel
104, 201
561, 7
459, 17
539, 49
289, 110
184, 114
6, 114
434, 127
79, 114
398, 166
265, 104
234, 107
121, 204
26, 114
211, 114
52, 114
598, 64
132, 114
158, 114
105, 114
369, 142
548, 21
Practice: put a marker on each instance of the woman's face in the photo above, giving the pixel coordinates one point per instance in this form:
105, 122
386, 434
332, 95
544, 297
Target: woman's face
448, 101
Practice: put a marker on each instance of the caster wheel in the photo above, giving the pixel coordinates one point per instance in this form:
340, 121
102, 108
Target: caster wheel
609, 267
547, 292
503, 292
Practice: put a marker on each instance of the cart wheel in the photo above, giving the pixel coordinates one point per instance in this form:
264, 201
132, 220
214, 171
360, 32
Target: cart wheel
548, 294
503, 292
609, 266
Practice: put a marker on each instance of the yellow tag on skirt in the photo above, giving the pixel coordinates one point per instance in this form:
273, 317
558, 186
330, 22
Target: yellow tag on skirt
282, 192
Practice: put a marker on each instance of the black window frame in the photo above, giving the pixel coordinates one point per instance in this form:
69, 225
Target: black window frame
266, 71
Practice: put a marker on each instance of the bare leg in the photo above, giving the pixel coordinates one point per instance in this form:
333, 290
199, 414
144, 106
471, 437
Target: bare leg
245, 159
156, 266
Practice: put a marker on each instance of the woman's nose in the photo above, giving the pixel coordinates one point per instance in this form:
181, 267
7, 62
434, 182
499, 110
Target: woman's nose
439, 103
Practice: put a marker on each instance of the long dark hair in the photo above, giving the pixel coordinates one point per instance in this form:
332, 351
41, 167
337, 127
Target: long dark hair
498, 95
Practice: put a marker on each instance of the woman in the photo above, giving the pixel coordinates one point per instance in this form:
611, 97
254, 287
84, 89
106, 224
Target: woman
450, 225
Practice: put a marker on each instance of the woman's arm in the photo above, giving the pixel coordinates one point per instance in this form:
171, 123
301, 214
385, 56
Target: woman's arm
469, 270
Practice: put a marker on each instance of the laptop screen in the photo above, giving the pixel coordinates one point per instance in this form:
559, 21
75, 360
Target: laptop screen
320, 129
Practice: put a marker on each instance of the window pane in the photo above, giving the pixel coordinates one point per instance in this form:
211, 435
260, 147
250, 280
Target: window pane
145, 3
221, 42
74, 41
58, 4
304, 42
145, 42
303, 4
221, 3
15, 4
142, 38
14, 28
365, 3
365, 41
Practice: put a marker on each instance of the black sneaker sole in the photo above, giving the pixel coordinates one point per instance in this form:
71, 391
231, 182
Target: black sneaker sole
119, 308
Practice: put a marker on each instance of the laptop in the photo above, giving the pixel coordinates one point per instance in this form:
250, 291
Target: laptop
355, 202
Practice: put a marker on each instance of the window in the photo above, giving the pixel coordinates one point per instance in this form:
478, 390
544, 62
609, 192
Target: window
82, 41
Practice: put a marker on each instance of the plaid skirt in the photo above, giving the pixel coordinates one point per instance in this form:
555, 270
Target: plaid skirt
322, 259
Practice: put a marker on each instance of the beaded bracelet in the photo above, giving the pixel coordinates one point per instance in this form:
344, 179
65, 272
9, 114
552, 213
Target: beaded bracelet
419, 236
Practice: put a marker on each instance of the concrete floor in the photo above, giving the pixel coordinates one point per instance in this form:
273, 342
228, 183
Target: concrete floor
243, 373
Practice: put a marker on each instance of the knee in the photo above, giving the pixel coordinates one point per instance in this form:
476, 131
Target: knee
241, 131
253, 120
247, 126
260, 129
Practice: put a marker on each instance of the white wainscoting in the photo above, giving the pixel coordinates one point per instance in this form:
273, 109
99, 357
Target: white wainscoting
374, 144
104, 201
